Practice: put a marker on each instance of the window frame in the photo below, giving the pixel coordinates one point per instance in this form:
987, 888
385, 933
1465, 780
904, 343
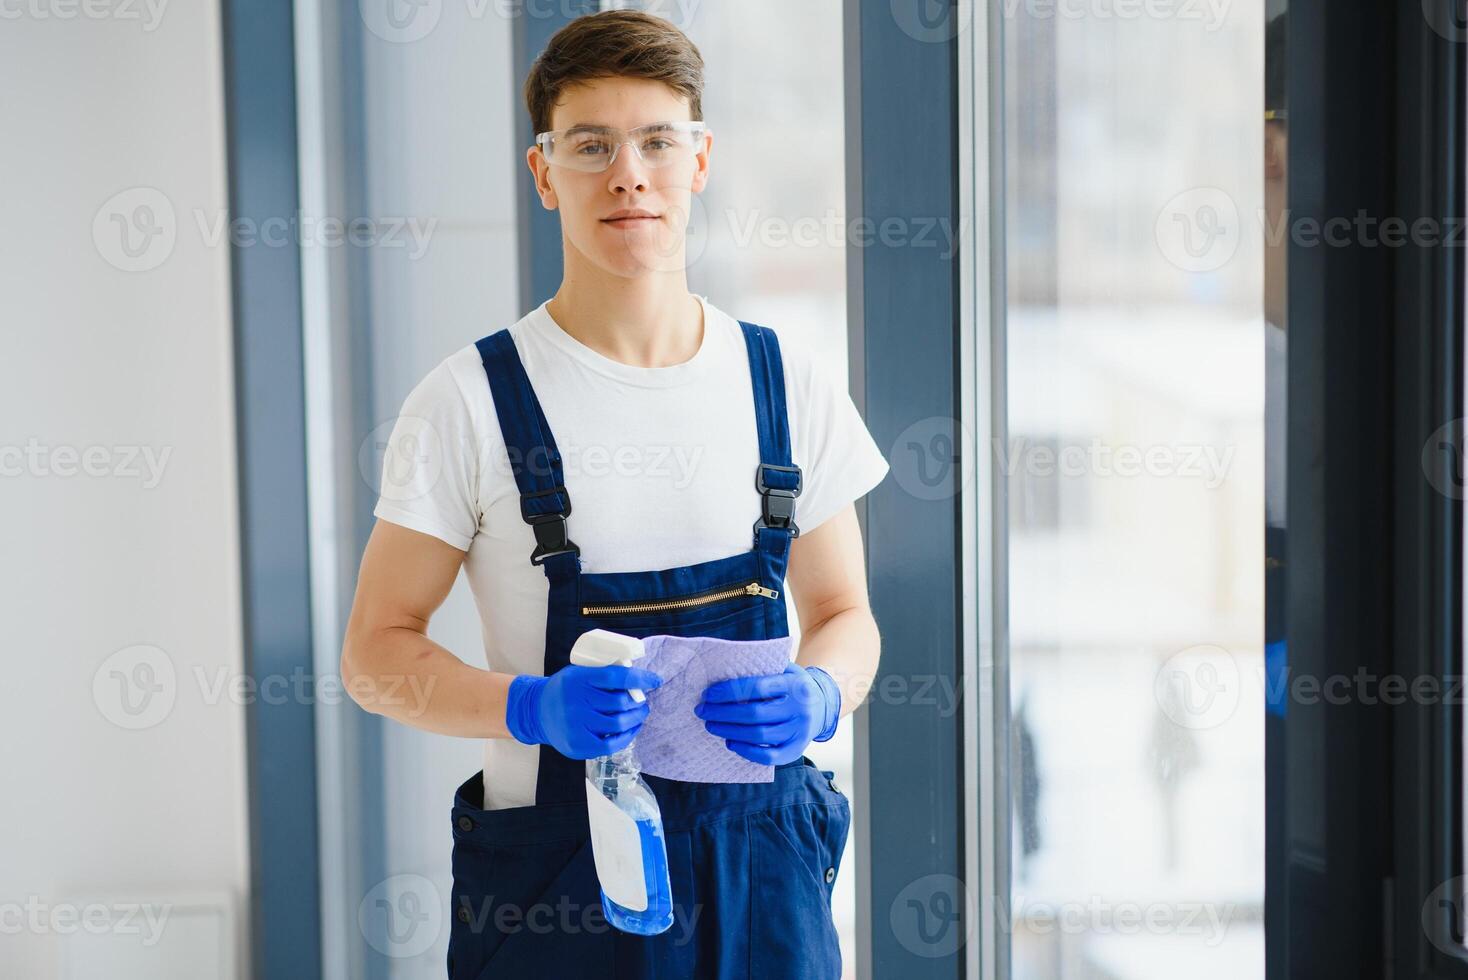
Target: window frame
1429, 757
907, 353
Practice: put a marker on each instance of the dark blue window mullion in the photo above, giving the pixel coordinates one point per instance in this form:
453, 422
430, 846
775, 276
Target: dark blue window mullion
260, 105
901, 81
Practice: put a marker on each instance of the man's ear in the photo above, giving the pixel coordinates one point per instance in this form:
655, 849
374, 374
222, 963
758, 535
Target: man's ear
540, 170
701, 172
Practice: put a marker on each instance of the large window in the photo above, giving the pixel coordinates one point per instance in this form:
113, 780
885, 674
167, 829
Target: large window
1133, 461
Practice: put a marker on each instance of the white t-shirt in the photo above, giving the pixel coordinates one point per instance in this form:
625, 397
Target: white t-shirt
659, 465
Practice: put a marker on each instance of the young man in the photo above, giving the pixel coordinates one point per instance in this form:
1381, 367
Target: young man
713, 466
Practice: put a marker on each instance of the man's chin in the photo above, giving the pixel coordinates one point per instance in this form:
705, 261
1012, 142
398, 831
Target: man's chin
637, 255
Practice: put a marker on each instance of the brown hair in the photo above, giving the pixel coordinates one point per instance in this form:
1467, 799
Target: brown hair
612, 43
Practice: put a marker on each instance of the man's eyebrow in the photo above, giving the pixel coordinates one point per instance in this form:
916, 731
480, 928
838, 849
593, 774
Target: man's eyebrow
596, 128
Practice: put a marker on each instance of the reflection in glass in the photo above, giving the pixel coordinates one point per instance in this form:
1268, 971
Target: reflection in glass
1276, 414
1135, 461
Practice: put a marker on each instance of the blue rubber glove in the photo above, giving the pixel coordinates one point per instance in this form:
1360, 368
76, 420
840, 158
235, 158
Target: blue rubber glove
771, 719
581, 712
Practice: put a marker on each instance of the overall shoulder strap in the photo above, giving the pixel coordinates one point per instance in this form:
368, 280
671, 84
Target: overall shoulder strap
534, 459
776, 478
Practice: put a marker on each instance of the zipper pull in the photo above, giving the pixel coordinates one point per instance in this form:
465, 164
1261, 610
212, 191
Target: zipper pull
754, 588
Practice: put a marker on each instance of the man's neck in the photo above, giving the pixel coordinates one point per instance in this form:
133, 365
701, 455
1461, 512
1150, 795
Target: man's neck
651, 321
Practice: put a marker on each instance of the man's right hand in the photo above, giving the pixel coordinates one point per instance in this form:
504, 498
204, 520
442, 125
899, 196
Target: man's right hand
581, 712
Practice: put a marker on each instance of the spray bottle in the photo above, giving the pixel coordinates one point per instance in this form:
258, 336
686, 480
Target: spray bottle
627, 839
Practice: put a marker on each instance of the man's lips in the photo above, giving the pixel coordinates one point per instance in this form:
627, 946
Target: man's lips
625, 222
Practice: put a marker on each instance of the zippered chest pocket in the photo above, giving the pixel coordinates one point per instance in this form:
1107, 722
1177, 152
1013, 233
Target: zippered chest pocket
752, 589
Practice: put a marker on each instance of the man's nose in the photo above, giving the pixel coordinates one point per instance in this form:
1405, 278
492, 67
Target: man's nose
626, 171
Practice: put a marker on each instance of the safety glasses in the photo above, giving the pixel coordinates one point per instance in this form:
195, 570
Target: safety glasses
593, 149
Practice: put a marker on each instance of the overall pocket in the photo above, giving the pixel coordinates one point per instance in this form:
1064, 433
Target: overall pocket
794, 851
526, 910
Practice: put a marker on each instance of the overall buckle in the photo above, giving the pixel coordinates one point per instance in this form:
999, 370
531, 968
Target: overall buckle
551, 536
777, 504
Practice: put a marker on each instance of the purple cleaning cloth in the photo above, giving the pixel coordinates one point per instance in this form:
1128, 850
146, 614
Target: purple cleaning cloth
673, 742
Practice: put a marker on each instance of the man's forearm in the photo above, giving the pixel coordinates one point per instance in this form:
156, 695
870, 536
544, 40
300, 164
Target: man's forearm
403, 675
848, 647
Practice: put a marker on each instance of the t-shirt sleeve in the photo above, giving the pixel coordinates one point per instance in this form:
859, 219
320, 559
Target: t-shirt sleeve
429, 463
841, 461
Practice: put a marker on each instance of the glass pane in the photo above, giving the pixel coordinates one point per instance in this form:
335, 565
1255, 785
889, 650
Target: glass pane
1135, 461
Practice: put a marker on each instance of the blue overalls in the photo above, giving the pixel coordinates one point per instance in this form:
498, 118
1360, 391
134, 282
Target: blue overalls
752, 865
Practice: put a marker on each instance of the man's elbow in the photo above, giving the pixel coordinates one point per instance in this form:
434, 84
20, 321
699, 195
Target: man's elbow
357, 671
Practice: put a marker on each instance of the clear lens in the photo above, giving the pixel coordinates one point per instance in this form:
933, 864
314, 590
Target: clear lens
592, 149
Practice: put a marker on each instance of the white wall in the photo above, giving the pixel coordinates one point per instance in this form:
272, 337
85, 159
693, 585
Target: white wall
111, 792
